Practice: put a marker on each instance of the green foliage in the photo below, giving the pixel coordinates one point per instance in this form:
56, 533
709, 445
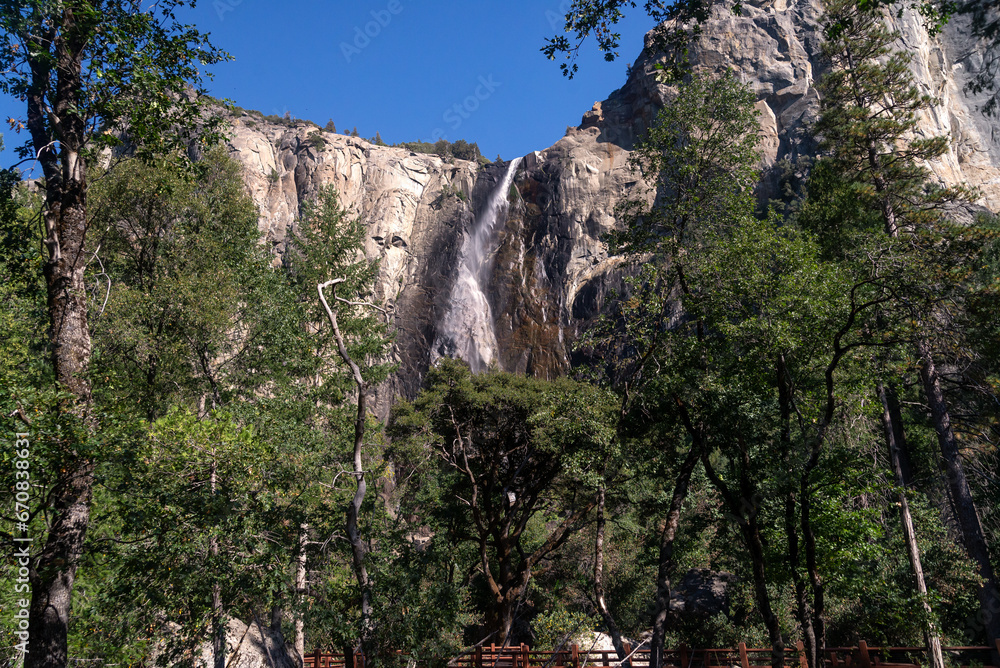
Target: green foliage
140, 64
183, 258
558, 627
315, 139
699, 160
518, 460
23, 315
327, 244
599, 17
460, 149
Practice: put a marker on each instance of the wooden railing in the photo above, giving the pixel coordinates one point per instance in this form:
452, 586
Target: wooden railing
862, 656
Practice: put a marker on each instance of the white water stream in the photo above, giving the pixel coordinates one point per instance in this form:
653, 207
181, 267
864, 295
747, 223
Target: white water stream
466, 331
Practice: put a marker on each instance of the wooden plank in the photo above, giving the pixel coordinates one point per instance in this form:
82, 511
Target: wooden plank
864, 660
744, 661
803, 662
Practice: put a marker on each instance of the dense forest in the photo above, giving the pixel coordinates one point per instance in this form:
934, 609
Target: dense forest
799, 399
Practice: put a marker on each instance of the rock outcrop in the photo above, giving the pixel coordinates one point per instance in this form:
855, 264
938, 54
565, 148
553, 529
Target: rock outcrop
551, 272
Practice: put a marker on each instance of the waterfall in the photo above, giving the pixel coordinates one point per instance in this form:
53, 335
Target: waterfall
466, 331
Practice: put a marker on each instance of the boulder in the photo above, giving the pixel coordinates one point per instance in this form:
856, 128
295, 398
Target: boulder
701, 594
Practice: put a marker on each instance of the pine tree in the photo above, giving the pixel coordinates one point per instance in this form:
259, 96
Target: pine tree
868, 125
330, 126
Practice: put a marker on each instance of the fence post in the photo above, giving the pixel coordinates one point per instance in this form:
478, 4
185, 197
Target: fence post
575, 656
317, 658
628, 650
478, 657
684, 655
866, 661
744, 660
524, 656
803, 662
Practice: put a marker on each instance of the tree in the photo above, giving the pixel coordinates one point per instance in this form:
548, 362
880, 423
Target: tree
195, 319
517, 455
598, 18
89, 73
330, 126
326, 245
743, 342
219, 350
698, 160
868, 113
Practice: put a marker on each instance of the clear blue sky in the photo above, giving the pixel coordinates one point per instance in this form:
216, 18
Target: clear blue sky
314, 59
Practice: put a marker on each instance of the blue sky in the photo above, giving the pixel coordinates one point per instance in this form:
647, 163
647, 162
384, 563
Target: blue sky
409, 69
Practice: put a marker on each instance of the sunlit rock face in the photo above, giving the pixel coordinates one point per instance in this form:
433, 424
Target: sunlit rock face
774, 46
545, 272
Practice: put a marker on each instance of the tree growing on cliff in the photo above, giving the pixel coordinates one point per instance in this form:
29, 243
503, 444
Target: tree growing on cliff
88, 72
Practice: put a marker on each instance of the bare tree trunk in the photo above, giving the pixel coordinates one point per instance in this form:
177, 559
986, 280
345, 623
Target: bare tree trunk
666, 559
358, 548
300, 591
894, 437
965, 506
602, 604
218, 621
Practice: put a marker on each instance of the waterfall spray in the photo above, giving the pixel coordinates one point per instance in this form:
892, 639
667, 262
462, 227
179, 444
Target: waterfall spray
467, 328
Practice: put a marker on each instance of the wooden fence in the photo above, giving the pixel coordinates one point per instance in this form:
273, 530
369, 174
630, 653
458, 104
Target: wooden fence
862, 656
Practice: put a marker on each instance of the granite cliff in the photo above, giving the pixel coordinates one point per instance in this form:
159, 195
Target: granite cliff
546, 273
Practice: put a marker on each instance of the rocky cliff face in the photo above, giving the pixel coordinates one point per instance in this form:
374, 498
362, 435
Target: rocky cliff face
551, 273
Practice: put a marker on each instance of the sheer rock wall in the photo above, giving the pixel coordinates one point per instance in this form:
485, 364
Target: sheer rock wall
552, 273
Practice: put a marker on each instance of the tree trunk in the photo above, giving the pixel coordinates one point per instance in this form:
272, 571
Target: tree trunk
300, 591
358, 548
894, 435
801, 600
602, 604
65, 217
751, 533
55, 570
965, 507
665, 568
218, 619
743, 509
802, 608
812, 568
